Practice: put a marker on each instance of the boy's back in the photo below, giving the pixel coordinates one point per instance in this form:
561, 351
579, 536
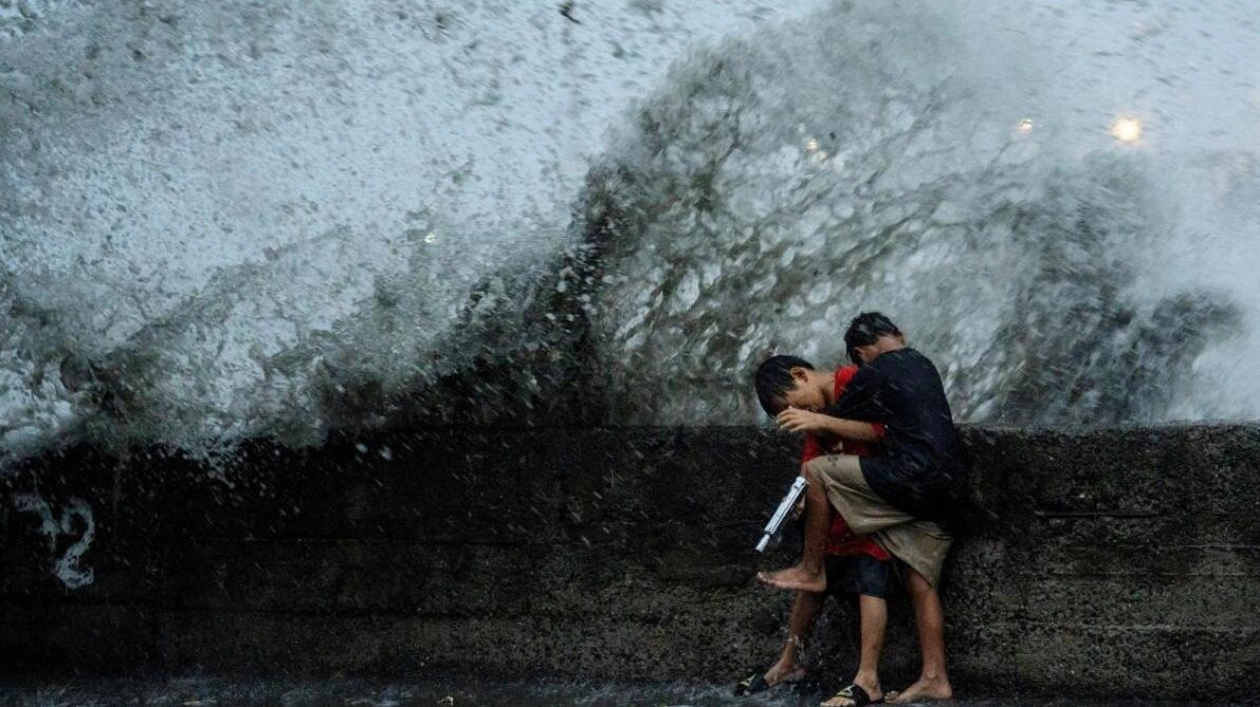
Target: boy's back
923, 468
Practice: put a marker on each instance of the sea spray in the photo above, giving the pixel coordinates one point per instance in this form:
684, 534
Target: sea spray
236, 221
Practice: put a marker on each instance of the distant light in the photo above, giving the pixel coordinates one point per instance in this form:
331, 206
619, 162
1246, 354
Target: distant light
811, 145
1127, 129
1025, 126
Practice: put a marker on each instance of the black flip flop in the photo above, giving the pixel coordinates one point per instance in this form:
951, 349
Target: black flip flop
752, 684
757, 683
858, 695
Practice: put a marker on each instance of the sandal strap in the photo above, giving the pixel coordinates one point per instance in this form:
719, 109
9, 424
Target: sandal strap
856, 693
752, 684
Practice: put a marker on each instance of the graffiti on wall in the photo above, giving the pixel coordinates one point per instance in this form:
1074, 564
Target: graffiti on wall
74, 523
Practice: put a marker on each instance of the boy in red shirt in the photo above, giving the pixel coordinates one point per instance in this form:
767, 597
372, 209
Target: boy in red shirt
856, 564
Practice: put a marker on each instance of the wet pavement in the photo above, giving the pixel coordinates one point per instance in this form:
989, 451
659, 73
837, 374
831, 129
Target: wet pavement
452, 692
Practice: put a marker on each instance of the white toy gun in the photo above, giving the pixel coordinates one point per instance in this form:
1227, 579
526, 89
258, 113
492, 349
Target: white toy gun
781, 513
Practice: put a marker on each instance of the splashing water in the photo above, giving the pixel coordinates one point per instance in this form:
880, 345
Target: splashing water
217, 218
229, 221
941, 165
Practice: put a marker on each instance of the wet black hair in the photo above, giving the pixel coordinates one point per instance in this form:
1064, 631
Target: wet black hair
864, 330
774, 380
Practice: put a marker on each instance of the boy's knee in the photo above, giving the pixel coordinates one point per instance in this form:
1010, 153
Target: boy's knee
811, 469
917, 584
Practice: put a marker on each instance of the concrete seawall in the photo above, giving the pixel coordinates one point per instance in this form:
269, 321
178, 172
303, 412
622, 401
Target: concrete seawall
1103, 562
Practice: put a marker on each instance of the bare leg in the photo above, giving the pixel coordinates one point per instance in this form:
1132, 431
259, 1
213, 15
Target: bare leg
933, 683
805, 611
874, 613
808, 576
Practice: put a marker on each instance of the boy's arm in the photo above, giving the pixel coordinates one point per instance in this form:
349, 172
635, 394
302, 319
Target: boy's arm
863, 398
852, 430
795, 420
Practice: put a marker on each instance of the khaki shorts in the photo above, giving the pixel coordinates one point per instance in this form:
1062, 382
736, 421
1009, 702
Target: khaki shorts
921, 544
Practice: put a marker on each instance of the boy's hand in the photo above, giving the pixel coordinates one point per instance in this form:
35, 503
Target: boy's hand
794, 420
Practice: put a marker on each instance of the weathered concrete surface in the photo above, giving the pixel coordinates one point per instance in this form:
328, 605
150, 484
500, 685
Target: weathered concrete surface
1108, 562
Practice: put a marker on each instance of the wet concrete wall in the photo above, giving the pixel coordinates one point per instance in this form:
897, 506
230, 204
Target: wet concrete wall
1097, 562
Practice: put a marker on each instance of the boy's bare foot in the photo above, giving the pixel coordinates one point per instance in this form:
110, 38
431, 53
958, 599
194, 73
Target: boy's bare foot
926, 690
795, 578
784, 671
779, 673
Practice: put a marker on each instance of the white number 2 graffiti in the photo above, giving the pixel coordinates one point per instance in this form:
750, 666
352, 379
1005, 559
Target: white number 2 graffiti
66, 568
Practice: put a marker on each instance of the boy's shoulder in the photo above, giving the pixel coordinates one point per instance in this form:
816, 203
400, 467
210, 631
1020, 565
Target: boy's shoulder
905, 357
845, 373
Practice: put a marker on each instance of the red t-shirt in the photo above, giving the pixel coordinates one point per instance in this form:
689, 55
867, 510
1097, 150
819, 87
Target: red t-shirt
841, 540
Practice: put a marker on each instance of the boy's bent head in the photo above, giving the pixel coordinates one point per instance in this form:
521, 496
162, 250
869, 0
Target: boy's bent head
775, 381
865, 330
